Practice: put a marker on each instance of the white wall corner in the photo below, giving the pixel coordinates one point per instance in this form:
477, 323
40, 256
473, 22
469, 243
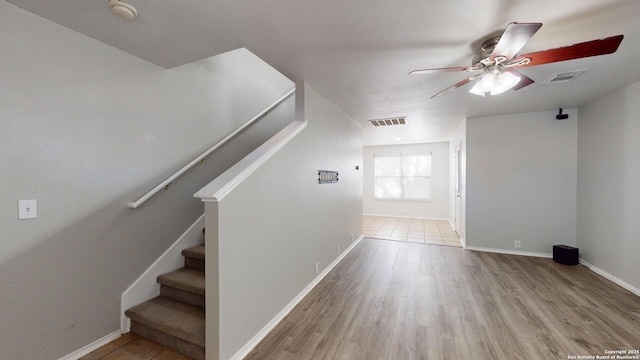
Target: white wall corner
146, 287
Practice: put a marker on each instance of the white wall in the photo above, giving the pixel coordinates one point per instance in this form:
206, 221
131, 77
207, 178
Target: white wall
521, 181
275, 226
84, 129
436, 208
608, 191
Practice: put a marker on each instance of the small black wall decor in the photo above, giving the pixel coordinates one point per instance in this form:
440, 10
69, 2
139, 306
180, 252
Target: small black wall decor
327, 176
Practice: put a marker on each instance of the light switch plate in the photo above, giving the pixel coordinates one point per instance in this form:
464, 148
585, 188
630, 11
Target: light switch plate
27, 209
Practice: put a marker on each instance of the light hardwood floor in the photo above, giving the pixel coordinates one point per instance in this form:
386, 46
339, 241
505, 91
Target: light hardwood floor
134, 347
399, 300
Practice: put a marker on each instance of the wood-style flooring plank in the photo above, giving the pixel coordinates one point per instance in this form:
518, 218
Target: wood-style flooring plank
139, 349
401, 300
110, 347
133, 347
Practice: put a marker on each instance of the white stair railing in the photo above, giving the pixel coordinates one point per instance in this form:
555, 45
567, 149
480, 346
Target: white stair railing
198, 160
227, 181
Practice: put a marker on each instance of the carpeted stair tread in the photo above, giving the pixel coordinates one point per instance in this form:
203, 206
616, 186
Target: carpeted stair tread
182, 346
181, 320
186, 279
196, 252
182, 296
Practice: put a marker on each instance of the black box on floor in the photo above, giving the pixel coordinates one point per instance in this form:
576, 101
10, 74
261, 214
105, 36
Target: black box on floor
565, 254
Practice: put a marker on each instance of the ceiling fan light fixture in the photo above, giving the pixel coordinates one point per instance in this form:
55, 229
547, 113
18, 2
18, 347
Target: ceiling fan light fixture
499, 56
476, 89
485, 84
495, 83
506, 81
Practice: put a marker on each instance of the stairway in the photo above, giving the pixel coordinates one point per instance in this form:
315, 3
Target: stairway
176, 318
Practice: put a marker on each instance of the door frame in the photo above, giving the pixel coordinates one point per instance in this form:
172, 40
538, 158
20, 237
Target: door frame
457, 193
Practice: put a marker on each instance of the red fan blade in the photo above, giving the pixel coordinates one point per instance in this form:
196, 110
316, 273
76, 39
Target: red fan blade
453, 87
515, 36
451, 69
524, 79
576, 51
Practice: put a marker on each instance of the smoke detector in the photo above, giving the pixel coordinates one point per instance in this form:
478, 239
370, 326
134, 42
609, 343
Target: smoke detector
123, 10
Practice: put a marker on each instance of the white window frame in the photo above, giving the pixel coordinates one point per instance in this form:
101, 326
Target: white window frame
402, 178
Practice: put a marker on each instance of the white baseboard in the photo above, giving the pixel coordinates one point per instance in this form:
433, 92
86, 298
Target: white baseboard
611, 278
145, 287
281, 315
408, 217
509, 252
93, 346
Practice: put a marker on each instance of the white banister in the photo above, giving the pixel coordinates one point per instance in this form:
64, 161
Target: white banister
227, 181
200, 158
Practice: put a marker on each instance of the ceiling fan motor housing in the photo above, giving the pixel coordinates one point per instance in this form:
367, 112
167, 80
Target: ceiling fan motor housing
486, 49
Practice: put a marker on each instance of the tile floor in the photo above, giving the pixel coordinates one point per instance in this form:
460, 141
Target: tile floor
438, 232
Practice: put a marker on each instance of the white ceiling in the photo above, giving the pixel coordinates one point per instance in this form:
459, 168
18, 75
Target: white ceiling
358, 53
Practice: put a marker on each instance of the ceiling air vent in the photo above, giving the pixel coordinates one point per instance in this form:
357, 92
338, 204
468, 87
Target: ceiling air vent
564, 77
389, 122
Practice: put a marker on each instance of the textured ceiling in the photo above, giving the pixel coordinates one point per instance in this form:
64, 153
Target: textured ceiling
358, 53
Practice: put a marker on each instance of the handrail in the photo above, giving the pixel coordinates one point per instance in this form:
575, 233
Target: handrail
165, 184
217, 189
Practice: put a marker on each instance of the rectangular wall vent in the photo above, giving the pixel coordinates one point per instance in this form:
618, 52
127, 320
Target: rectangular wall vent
389, 122
563, 77
327, 176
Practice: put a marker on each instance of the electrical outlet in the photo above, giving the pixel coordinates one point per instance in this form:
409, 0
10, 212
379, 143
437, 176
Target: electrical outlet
317, 268
517, 244
351, 237
338, 249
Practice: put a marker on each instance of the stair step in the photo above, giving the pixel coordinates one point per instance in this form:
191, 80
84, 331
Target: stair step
172, 318
176, 318
184, 347
196, 252
182, 296
194, 257
184, 279
185, 285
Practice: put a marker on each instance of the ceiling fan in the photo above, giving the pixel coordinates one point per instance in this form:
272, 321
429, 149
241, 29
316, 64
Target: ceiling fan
495, 66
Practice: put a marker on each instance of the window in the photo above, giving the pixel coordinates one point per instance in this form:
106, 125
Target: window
402, 177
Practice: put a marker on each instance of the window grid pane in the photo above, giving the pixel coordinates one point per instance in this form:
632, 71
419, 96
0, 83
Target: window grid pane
402, 177
388, 187
388, 166
416, 187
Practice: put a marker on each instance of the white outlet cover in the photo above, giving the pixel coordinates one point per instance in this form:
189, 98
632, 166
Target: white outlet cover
27, 209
